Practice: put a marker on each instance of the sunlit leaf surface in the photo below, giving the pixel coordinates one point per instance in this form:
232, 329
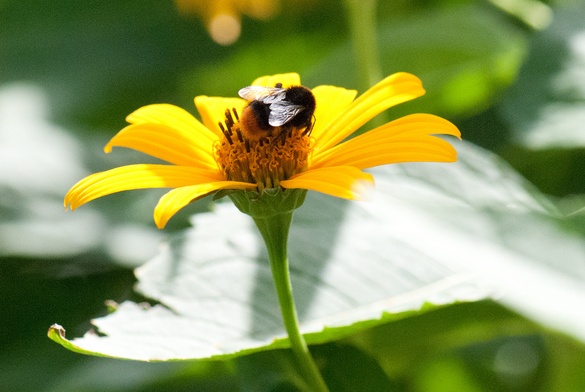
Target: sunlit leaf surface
40, 161
431, 233
546, 107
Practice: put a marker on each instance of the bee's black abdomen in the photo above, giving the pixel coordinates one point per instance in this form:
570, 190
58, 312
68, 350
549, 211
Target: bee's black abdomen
302, 96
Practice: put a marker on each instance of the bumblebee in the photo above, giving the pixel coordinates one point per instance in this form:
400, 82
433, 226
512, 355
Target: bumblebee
273, 108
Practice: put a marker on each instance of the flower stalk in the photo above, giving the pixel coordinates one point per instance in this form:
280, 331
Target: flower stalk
272, 211
362, 24
274, 230
362, 27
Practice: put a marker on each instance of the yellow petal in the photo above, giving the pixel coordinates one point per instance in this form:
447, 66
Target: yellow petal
131, 177
343, 181
408, 139
212, 110
331, 102
393, 90
287, 80
171, 116
180, 146
176, 199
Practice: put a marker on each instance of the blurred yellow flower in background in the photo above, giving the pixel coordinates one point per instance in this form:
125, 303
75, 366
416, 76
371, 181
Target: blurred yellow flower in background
222, 18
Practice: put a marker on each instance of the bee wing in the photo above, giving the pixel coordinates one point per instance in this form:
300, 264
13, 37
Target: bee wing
282, 112
264, 94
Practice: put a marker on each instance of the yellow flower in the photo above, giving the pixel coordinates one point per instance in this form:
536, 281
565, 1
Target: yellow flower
204, 158
222, 17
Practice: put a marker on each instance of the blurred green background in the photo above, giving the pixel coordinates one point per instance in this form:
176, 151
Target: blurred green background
509, 73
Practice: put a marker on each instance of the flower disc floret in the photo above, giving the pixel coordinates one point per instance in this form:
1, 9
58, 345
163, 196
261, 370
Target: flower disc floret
264, 161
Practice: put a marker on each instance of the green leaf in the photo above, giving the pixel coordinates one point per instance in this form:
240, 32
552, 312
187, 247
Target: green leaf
44, 161
431, 234
465, 54
546, 107
346, 366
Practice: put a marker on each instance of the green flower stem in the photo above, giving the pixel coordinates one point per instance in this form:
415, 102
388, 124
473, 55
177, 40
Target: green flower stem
274, 230
362, 25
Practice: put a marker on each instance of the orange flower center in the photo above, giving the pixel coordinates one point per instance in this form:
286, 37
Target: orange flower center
263, 157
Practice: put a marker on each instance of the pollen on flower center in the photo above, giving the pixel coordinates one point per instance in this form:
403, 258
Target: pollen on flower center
261, 157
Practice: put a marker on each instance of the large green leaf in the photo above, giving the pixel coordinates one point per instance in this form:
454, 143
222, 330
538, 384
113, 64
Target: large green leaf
465, 54
44, 160
546, 107
431, 234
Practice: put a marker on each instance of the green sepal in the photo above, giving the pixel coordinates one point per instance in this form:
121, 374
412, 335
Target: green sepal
269, 203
